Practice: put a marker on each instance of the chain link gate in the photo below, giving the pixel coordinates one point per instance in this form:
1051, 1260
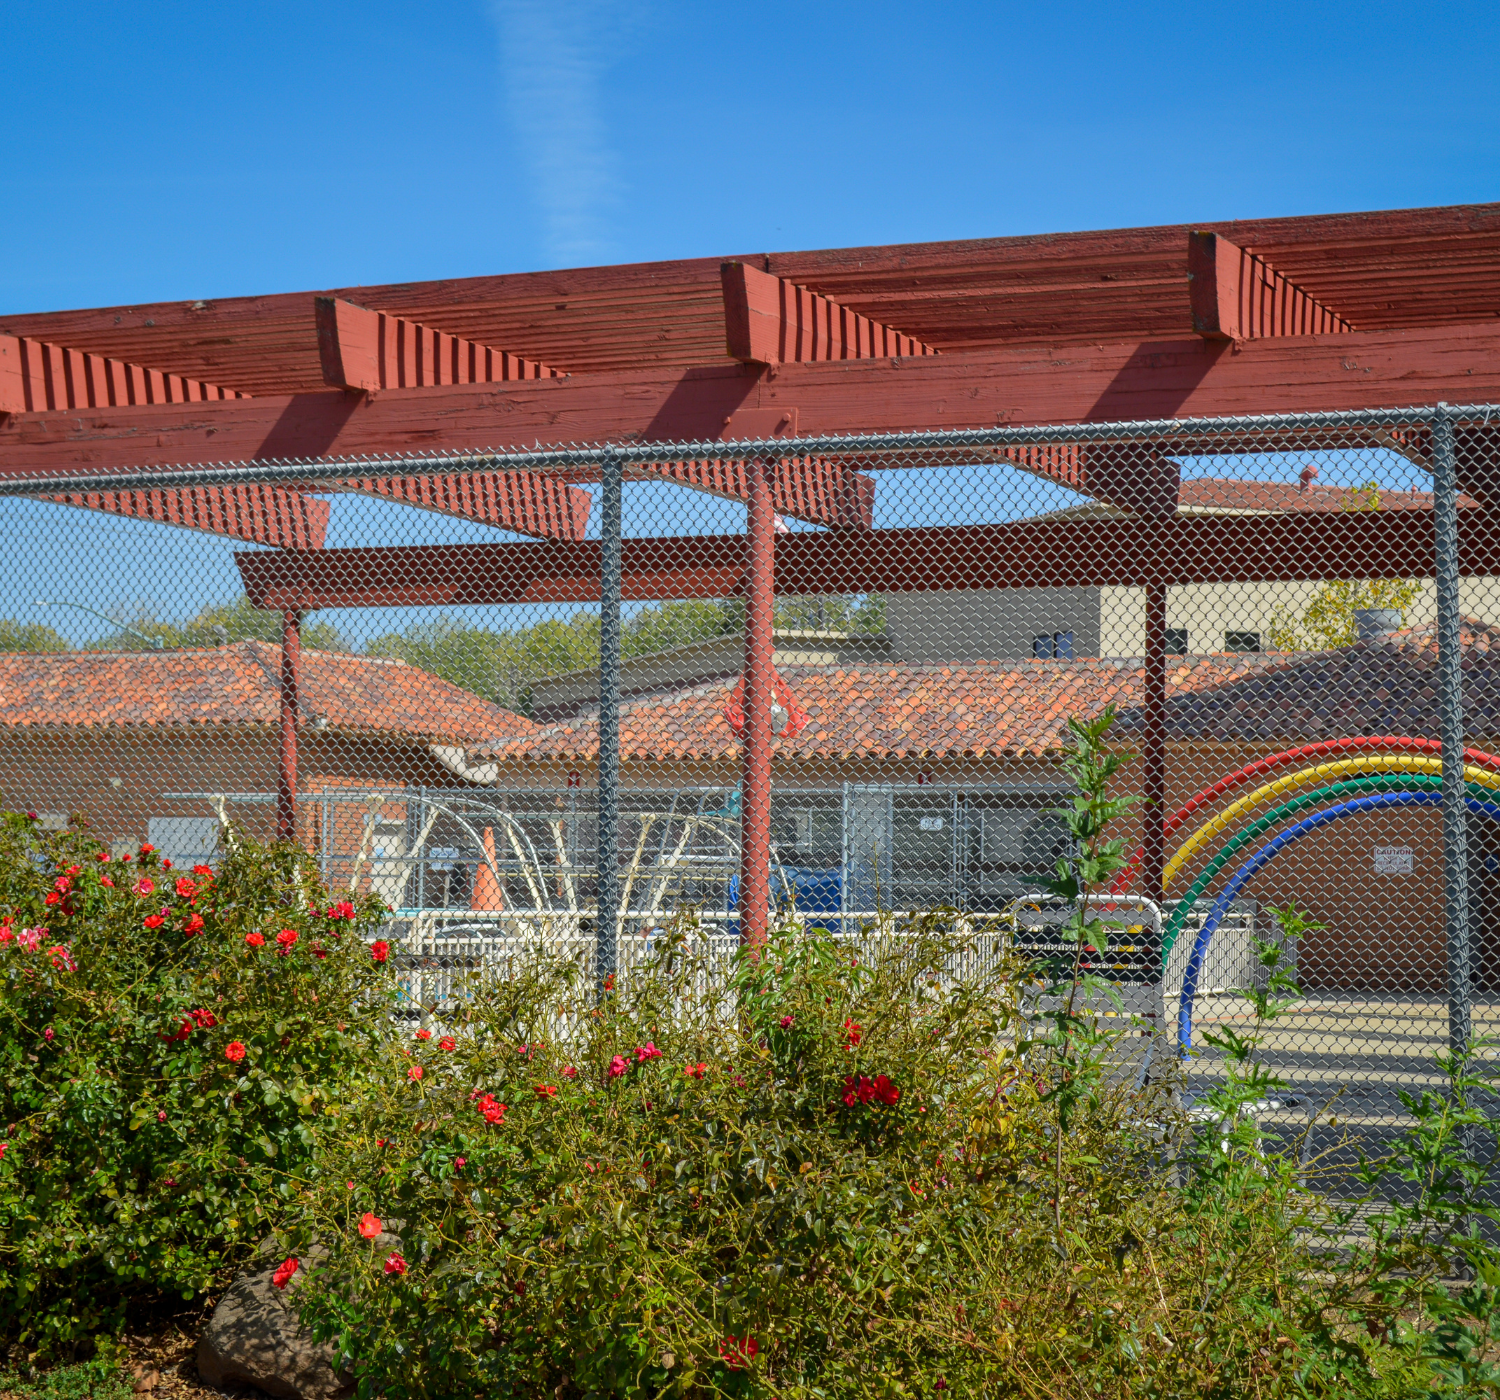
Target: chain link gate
829, 677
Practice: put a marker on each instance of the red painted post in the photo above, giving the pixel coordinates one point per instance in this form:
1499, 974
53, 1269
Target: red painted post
286, 774
1154, 755
755, 837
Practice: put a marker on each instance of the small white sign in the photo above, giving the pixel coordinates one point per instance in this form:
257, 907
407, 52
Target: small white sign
930, 823
1394, 860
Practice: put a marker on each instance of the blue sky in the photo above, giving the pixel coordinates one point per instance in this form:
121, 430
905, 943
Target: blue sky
175, 150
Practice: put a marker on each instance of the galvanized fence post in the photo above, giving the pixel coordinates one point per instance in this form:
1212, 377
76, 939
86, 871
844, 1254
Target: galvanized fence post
607, 925
1451, 730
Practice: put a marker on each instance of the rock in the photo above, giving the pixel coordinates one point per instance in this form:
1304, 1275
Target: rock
255, 1338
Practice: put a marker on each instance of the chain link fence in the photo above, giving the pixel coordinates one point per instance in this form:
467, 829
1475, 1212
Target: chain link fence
824, 676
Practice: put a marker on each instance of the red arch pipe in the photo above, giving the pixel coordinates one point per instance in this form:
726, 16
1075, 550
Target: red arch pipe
1250, 771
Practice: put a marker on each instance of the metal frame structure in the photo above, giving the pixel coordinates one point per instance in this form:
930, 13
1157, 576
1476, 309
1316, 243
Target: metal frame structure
293, 581
1325, 326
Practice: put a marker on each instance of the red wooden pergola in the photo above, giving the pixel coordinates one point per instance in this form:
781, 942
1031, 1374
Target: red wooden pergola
98, 408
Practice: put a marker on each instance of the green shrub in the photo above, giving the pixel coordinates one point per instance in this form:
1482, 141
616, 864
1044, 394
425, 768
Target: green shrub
164, 1062
853, 1175
87, 1380
837, 1170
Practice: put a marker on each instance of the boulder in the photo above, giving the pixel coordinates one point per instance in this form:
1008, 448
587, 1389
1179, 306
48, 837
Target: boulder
255, 1338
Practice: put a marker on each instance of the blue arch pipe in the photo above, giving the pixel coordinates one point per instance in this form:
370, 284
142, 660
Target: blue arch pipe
1268, 852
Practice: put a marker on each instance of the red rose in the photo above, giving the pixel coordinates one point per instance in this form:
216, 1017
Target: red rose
394, 1263
852, 1034
62, 884
285, 939
186, 889
737, 1354
490, 1109
53, 898
787, 1021
204, 1019
380, 950
283, 1275
105, 880
203, 870
447, 1043
424, 1035
546, 1091
144, 886
885, 1091
146, 850
369, 1225
234, 1051
695, 1071
193, 925
255, 940
415, 1072
154, 920
569, 1072
645, 1052
617, 1067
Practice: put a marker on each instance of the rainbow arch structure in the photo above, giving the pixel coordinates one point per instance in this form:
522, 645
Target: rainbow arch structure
1338, 779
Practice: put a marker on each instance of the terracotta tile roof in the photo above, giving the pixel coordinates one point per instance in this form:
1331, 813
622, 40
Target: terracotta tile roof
975, 710
1214, 493
239, 685
1384, 686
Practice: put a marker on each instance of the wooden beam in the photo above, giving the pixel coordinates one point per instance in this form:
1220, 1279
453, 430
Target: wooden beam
1194, 377
1236, 295
257, 512
36, 376
1133, 477
813, 489
371, 350
530, 503
1174, 550
768, 320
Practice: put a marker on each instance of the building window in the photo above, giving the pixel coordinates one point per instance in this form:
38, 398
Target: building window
1053, 646
1242, 641
1177, 641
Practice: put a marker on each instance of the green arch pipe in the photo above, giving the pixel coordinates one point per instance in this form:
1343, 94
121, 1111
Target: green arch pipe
1375, 782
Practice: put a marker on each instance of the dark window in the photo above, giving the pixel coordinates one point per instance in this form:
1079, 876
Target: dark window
1042, 646
1177, 641
1242, 641
1050, 645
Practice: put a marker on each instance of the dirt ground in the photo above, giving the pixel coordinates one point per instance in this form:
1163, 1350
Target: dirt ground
160, 1343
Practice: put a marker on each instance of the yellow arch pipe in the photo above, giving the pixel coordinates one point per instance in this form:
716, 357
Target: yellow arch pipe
1369, 763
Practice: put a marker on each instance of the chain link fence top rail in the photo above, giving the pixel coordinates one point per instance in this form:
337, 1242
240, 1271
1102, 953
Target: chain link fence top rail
826, 675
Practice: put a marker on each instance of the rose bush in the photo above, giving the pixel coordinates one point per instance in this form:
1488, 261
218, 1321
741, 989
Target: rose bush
162, 1068
809, 1185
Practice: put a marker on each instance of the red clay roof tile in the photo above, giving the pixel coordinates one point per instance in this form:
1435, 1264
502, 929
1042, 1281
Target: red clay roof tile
240, 685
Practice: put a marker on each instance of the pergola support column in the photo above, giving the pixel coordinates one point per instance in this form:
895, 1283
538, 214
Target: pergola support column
760, 571
286, 768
